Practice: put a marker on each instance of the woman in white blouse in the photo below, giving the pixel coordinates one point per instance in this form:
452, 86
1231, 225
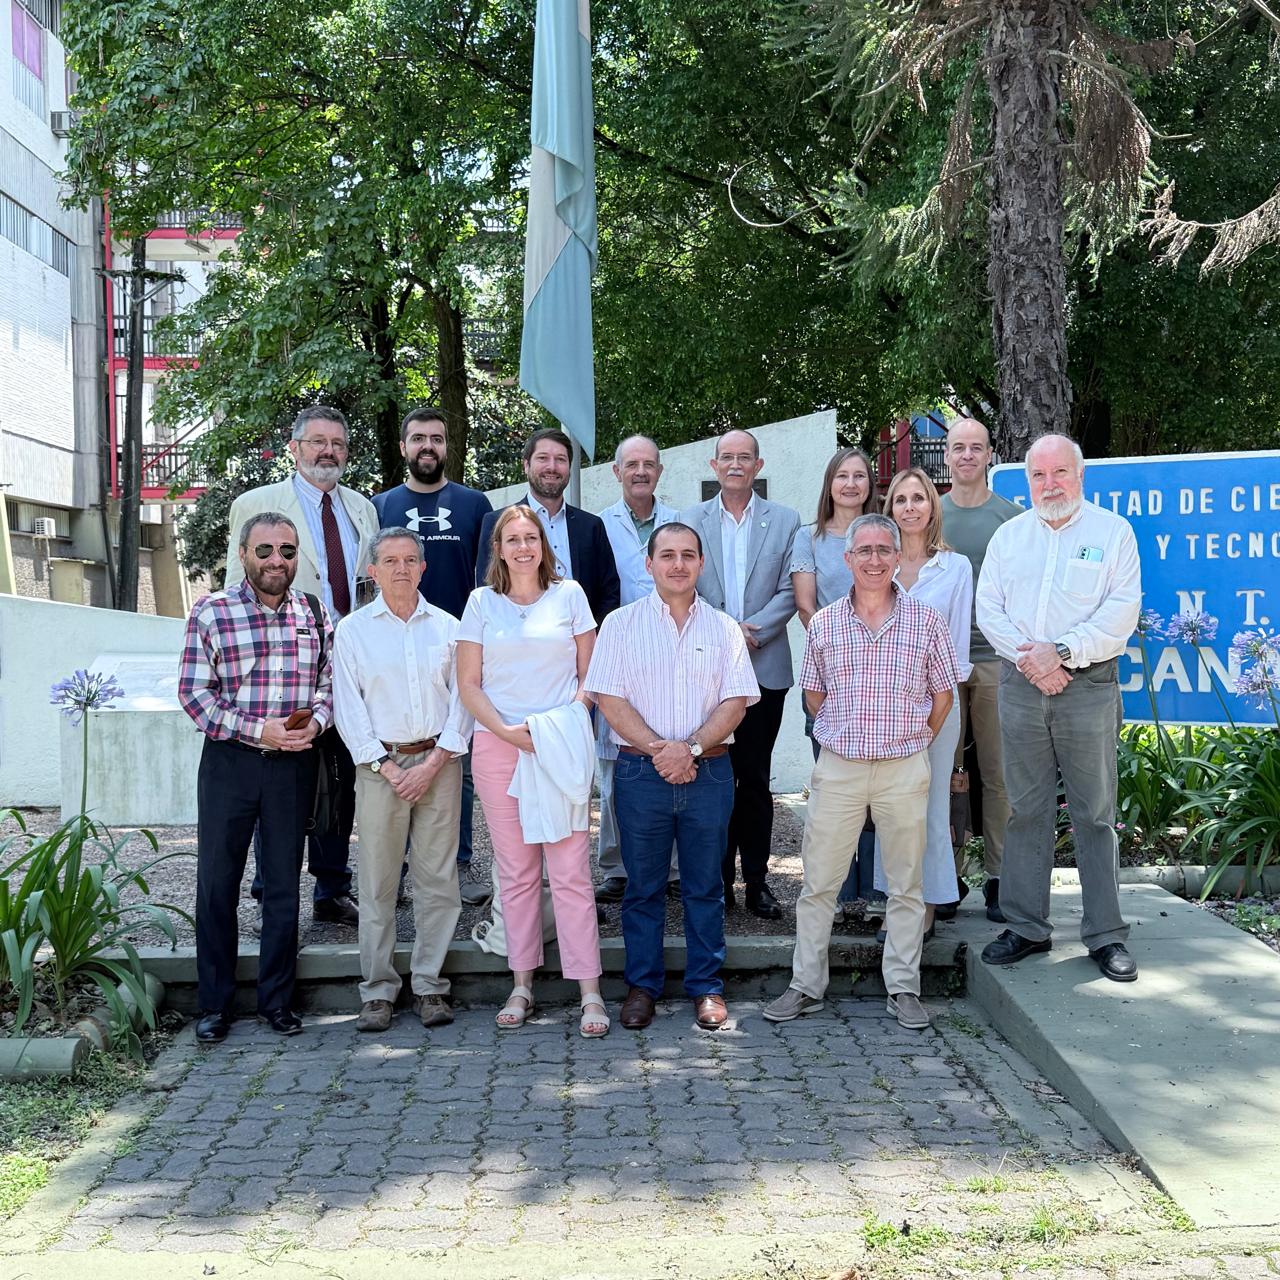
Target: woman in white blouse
931, 572
524, 645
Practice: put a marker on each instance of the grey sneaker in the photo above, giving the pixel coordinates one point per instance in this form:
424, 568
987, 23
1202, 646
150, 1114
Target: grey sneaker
791, 1004
255, 920
433, 1010
474, 890
375, 1015
909, 1011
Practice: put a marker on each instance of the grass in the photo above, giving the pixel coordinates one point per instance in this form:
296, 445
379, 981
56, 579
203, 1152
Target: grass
987, 1184
43, 1121
1057, 1225
878, 1234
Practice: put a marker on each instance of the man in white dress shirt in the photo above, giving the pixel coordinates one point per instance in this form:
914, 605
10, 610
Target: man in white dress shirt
674, 680
630, 523
1058, 598
397, 707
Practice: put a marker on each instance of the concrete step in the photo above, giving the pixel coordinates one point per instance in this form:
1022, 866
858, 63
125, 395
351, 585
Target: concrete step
754, 967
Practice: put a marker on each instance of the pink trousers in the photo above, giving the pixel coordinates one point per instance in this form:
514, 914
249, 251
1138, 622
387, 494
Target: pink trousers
493, 762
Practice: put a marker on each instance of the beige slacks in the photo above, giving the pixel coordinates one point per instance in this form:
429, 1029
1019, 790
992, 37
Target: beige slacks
980, 717
897, 792
431, 829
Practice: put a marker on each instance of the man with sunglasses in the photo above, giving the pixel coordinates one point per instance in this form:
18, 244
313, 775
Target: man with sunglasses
335, 529
256, 677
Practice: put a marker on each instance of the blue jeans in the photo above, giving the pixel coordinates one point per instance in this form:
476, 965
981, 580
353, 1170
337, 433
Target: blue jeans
651, 814
858, 883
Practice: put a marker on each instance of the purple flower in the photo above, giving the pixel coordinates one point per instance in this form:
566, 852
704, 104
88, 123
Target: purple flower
84, 691
1149, 622
1192, 628
1259, 682
1256, 646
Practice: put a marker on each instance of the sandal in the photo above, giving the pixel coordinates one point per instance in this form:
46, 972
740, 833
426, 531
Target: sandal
511, 1016
593, 1019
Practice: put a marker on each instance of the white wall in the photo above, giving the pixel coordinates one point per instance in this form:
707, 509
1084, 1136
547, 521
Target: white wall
795, 455
40, 643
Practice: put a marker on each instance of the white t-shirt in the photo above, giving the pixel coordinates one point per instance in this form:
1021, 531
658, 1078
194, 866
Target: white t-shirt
530, 662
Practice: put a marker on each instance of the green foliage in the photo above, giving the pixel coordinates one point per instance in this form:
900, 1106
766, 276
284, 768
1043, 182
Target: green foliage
71, 908
1157, 769
1257, 919
20, 1178
1238, 808
908, 1240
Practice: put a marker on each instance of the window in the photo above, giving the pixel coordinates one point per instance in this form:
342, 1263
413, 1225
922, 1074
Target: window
48, 13
36, 236
28, 59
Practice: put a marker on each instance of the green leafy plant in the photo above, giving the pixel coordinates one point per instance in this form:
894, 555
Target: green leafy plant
20, 933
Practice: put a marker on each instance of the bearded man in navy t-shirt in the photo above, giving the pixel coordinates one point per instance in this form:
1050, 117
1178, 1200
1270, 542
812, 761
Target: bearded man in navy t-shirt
447, 517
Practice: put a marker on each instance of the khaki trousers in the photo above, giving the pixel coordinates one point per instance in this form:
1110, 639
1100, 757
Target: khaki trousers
980, 717
897, 792
431, 829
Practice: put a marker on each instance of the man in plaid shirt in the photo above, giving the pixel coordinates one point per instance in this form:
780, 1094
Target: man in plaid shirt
255, 677
878, 675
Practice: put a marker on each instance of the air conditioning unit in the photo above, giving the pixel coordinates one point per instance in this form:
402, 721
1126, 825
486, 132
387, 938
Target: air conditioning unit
61, 121
44, 527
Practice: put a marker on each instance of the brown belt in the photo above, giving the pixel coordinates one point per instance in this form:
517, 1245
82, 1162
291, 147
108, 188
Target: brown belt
708, 753
409, 748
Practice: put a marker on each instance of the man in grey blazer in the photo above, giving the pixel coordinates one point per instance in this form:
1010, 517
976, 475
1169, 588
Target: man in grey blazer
746, 573
335, 528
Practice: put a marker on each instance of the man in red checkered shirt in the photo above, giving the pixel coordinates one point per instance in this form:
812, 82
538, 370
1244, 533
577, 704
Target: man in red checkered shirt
878, 674
256, 660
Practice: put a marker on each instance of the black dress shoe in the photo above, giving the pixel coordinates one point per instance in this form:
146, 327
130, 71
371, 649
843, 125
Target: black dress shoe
612, 889
339, 910
212, 1028
282, 1021
946, 910
730, 900
1115, 962
762, 903
673, 890
1010, 947
991, 892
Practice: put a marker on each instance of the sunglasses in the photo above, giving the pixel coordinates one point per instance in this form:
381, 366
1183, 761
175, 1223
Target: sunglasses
264, 549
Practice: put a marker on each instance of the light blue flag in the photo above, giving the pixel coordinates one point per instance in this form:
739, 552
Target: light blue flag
556, 365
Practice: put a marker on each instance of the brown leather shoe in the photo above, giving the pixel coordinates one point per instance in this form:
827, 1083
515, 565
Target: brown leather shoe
637, 1010
710, 1012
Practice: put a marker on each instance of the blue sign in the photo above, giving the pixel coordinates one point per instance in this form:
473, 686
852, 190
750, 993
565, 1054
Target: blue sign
1208, 531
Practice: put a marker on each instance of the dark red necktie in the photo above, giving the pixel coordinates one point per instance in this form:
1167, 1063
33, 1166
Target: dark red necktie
336, 560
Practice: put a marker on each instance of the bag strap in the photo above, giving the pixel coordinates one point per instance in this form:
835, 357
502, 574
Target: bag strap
314, 605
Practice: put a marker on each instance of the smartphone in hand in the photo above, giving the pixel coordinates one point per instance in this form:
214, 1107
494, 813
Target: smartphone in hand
299, 719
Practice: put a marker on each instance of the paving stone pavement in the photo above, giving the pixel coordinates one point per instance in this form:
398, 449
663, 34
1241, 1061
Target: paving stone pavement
839, 1123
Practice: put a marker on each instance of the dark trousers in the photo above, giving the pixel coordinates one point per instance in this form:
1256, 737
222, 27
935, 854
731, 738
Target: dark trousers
468, 804
751, 826
237, 789
328, 857
651, 814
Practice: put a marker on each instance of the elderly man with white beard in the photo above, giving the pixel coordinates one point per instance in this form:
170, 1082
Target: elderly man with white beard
1058, 598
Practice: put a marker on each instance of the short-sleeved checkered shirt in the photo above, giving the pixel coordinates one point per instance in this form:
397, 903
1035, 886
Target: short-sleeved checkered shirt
879, 687
242, 663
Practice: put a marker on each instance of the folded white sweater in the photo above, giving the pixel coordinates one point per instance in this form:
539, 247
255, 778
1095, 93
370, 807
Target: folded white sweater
553, 785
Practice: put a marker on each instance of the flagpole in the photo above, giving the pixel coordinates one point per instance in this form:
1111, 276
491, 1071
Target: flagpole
575, 475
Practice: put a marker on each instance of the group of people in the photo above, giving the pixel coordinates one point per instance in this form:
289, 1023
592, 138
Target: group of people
645, 651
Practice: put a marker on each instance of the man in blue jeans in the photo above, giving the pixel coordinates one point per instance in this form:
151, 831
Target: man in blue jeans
673, 679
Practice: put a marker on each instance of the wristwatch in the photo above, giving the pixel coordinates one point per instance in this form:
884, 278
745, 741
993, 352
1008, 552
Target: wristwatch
1064, 653
376, 766
695, 747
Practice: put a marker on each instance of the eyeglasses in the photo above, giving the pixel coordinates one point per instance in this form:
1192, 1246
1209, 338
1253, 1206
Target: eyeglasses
880, 553
264, 550
338, 446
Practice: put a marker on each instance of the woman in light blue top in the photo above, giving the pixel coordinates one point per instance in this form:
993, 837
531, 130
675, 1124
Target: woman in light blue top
931, 572
820, 576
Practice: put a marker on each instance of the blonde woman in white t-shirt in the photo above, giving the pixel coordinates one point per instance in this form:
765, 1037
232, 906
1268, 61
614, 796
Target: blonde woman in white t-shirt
524, 645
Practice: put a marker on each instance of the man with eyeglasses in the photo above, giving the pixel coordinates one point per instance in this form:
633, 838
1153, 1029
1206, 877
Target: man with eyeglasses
256, 677
878, 672
335, 529
971, 513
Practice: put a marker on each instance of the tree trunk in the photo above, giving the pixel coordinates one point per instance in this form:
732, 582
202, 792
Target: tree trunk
390, 460
1027, 275
451, 362
131, 452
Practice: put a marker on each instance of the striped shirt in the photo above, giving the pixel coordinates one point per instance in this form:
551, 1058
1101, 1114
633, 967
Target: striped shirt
674, 679
879, 687
243, 663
